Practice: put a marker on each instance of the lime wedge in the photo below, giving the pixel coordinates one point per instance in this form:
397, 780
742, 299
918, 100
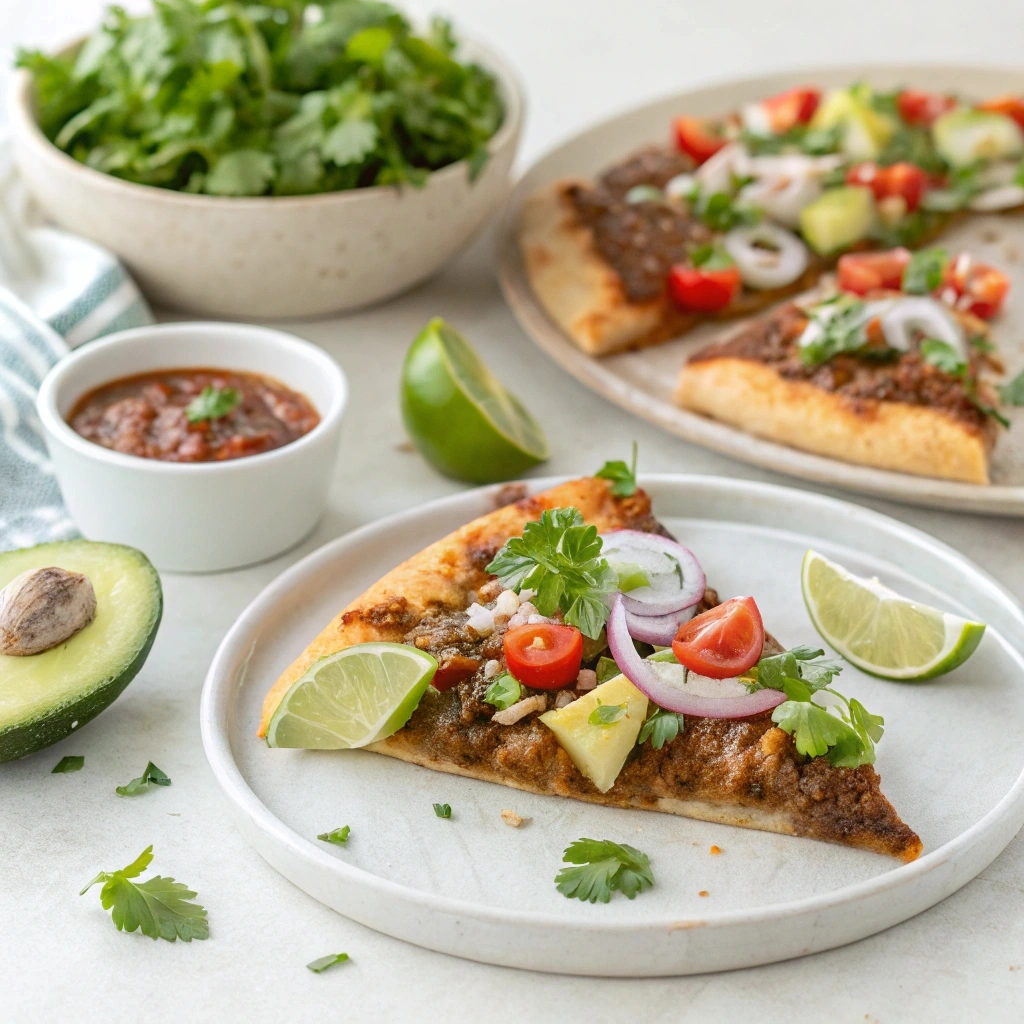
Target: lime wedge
459, 416
353, 697
879, 631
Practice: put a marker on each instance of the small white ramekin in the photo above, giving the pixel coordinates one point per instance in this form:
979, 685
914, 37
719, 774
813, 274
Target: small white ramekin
205, 516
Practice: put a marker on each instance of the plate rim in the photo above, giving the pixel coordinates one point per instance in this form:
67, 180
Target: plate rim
220, 686
928, 492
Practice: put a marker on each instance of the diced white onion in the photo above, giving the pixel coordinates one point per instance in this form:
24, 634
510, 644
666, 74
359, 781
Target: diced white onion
781, 197
526, 609
527, 594
520, 710
481, 620
756, 120
765, 268
921, 315
564, 699
491, 669
680, 187
507, 603
534, 619
586, 680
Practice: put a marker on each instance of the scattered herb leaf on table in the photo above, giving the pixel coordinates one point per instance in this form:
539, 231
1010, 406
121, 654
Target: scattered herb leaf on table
152, 776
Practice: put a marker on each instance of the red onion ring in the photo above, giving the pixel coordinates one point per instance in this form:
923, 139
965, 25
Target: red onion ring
666, 695
660, 602
658, 629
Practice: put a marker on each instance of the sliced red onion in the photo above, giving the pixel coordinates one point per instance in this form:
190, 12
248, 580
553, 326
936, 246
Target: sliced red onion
767, 256
670, 695
658, 629
677, 580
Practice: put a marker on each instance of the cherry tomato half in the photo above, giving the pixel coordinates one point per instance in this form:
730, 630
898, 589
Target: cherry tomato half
905, 180
545, 656
701, 290
863, 272
980, 289
921, 109
722, 642
1010, 105
700, 137
792, 107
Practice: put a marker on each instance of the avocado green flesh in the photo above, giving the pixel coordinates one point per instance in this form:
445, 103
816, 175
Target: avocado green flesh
838, 218
44, 697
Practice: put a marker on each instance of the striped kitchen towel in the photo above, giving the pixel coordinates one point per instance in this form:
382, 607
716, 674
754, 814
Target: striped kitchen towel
56, 291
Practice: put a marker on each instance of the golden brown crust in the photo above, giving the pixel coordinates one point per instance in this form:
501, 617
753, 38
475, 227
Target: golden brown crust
884, 434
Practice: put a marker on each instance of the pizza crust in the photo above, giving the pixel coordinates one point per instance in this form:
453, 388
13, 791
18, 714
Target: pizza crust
886, 435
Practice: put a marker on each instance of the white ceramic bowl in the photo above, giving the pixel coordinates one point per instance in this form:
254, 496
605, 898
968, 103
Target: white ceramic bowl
280, 256
206, 516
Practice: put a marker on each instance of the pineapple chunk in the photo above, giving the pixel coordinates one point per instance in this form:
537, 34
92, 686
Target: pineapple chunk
599, 751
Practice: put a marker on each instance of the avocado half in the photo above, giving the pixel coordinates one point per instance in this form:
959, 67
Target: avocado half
45, 697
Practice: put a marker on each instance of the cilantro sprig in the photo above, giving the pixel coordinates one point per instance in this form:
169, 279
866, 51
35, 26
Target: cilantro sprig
622, 477
559, 558
160, 907
846, 733
836, 325
600, 867
925, 270
943, 356
151, 776
212, 404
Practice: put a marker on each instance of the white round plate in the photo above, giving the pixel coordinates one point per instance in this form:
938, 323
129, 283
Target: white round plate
950, 762
642, 382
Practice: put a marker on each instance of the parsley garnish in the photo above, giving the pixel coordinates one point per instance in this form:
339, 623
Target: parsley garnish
320, 965
160, 907
601, 868
151, 776
661, 727
443, 810
212, 404
338, 836
838, 325
559, 558
847, 734
623, 477
925, 271
944, 357
69, 763
504, 691
1012, 393
605, 715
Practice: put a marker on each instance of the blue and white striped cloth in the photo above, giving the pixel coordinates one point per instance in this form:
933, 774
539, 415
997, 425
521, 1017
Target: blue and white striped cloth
56, 292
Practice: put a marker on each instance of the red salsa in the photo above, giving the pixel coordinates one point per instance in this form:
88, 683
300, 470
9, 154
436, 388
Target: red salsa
193, 415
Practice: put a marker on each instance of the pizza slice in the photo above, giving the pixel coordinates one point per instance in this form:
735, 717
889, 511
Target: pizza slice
882, 379
516, 699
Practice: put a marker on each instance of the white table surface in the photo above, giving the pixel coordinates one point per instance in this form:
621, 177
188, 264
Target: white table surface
61, 959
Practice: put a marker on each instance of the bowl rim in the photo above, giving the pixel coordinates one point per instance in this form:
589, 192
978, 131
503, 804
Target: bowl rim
25, 127
151, 337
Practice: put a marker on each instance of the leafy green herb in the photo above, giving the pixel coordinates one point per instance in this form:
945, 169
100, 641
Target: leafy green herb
1012, 393
559, 558
722, 212
847, 734
161, 907
605, 715
914, 146
338, 836
600, 868
69, 763
237, 98
503, 692
799, 139
661, 727
212, 404
925, 271
711, 257
152, 776
607, 669
944, 357
962, 187
623, 477
443, 810
321, 964
981, 343
837, 325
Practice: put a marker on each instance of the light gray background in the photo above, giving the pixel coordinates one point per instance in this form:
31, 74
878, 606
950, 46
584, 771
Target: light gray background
61, 960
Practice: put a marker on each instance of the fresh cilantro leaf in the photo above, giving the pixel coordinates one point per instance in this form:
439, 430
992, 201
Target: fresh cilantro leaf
559, 558
721, 212
838, 325
152, 776
962, 187
605, 715
69, 763
600, 868
813, 728
338, 836
607, 669
925, 271
212, 404
943, 356
914, 146
245, 172
711, 257
443, 810
161, 907
321, 964
1012, 393
660, 728
504, 691
799, 139
623, 477
350, 142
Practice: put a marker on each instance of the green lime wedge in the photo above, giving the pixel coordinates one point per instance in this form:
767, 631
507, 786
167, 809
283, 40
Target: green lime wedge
353, 697
880, 632
459, 416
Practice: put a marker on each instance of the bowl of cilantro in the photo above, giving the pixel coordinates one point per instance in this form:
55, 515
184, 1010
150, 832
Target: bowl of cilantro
269, 160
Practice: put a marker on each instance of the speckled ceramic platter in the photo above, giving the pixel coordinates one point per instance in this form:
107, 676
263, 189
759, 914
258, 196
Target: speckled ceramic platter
951, 762
642, 382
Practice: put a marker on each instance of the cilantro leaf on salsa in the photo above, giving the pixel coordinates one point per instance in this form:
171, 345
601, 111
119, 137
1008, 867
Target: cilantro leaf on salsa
600, 867
238, 98
212, 404
838, 325
623, 477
